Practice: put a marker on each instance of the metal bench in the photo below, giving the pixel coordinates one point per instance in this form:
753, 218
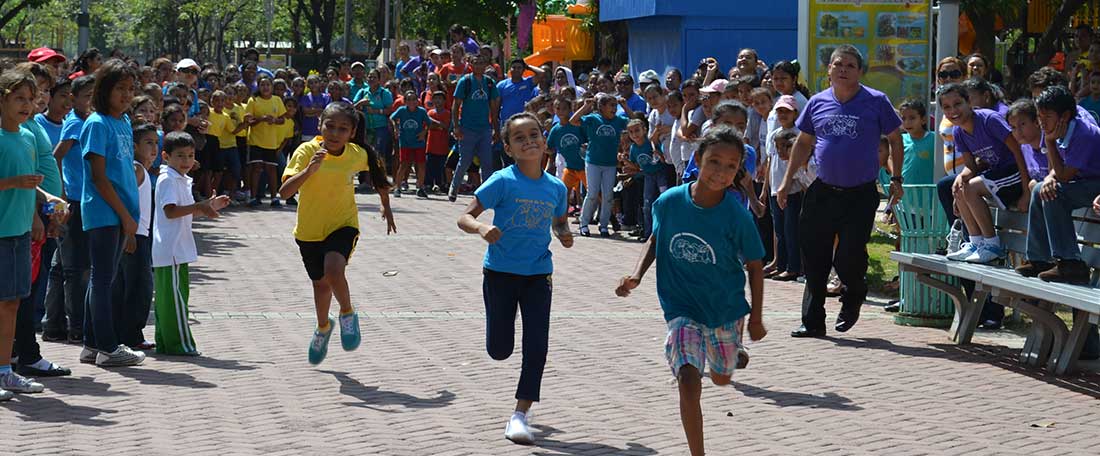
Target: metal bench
1050, 342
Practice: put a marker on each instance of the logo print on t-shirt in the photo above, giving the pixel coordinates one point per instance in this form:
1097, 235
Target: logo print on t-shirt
569, 140
840, 125
605, 131
479, 94
531, 214
692, 249
125, 147
645, 159
989, 155
410, 124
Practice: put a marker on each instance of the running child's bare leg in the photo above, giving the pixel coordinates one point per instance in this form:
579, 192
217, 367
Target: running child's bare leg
337, 281
691, 412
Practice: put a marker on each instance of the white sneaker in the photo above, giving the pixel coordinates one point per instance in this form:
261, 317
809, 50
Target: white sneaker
986, 253
964, 251
16, 383
122, 356
517, 430
87, 355
5, 395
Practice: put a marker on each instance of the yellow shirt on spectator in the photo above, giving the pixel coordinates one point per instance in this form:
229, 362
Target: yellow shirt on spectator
221, 126
237, 114
265, 135
326, 201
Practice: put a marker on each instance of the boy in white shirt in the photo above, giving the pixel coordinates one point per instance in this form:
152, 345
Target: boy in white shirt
174, 245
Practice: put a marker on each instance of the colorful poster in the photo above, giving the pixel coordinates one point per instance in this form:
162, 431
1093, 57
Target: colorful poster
894, 37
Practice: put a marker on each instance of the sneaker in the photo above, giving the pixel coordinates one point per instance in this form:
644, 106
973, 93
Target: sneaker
5, 395
452, 195
987, 253
76, 337
254, 203
422, 194
275, 202
396, 193
965, 250
585, 231
16, 383
122, 356
52, 336
291, 201
518, 431
318, 347
1074, 272
88, 355
349, 331
1032, 269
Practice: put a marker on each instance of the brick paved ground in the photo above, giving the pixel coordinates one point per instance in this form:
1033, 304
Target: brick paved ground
421, 384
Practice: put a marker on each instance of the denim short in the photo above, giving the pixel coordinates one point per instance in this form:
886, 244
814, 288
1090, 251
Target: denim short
689, 342
15, 267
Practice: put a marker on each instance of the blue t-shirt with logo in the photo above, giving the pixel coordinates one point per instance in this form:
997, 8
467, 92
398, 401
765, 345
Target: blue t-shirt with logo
603, 138
113, 140
642, 155
475, 95
515, 95
700, 254
410, 123
566, 139
53, 130
636, 104
523, 210
72, 166
846, 153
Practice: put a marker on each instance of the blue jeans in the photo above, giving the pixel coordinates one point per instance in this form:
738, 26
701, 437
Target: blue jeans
475, 143
947, 200
68, 281
1050, 231
105, 251
789, 255
655, 185
601, 182
133, 292
504, 293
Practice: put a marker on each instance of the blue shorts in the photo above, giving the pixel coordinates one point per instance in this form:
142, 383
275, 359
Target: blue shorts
15, 267
692, 343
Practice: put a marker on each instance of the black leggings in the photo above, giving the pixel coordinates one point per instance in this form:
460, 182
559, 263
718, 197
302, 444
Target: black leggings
505, 292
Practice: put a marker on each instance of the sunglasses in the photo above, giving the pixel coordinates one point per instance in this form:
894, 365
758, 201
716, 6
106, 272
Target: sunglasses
622, 82
189, 70
950, 74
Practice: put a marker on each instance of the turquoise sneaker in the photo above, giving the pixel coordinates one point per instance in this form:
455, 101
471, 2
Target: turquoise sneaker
349, 331
318, 347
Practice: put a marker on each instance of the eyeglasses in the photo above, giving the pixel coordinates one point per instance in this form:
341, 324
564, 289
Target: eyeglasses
950, 74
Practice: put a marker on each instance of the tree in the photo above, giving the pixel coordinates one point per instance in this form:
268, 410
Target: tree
983, 15
321, 15
432, 18
11, 8
1045, 49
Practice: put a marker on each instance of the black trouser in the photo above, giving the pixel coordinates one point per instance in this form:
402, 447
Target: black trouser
633, 199
68, 281
846, 215
505, 292
132, 292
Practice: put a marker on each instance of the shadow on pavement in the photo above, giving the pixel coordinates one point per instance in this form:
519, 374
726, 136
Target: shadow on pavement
561, 448
151, 376
1087, 383
45, 409
831, 401
207, 362
372, 397
79, 386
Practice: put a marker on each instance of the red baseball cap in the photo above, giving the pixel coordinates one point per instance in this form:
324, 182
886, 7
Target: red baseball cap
44, 54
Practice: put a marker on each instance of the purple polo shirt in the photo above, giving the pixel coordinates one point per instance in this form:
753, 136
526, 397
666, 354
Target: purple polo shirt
1079, 148
848, 134
1036, 160
987, 141
311, 125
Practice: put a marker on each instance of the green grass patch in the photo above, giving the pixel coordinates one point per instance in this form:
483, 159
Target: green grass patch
880, 268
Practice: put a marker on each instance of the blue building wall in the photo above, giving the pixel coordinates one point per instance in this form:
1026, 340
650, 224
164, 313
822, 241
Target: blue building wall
664, 33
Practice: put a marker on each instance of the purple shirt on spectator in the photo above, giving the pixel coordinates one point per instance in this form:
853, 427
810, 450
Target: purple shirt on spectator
1036, 160
1079, 147
987, 141
471, 46
848, 134
311, 125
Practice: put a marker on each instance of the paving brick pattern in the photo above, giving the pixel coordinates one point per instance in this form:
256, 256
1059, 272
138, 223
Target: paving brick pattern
421, 384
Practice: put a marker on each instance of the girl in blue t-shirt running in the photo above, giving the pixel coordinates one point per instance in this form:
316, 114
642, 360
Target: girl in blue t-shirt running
527, 204
704, 241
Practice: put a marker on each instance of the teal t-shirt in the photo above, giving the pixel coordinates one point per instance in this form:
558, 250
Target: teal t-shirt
475, 95
642, 155
700, 274
1092, 106
566, 139
113, 140
523, 210
603, 138
17, 158
379, 99
46, 165
72, 166
410, 123
919, 163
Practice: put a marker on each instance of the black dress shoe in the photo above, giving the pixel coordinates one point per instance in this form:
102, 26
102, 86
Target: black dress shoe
803, 332
844, 324
53, 371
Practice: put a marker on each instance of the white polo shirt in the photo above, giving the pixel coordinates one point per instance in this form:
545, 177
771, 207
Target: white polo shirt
172, 240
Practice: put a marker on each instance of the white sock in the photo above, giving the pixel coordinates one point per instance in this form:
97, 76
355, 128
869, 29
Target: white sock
976, 240
994, 241
520, 415
42, 364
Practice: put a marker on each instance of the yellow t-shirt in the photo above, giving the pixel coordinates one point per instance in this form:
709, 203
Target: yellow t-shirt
237, 114
287, 131
221, 125
326, 201
263, 134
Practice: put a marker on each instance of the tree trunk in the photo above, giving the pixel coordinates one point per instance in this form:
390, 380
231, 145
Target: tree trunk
328, 20
296, 26
1045, 49
985, 35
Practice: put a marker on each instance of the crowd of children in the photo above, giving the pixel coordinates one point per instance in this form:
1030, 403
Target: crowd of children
104, 169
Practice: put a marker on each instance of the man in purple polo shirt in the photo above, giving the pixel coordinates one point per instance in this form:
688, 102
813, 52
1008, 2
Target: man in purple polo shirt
841, 126
1072, 182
